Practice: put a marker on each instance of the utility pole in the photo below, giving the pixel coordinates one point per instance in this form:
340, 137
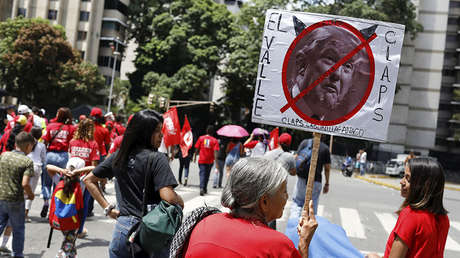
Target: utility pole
115, 53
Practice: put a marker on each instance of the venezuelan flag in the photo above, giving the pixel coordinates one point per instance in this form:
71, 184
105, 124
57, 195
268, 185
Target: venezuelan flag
65, 205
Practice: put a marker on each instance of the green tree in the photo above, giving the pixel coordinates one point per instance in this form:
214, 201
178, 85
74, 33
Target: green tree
181, 44
40, 67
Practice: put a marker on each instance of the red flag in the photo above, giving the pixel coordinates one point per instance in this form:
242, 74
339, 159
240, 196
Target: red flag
274, 135
171, 127
186, 139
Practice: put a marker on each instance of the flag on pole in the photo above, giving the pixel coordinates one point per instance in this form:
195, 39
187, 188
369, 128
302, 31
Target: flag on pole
186, 139
274, 136
171, 127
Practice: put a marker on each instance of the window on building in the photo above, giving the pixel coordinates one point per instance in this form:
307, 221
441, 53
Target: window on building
82, 54
84, 16
108, 61
448, 72
452, 20
454, 4
81, 35
111, 25
108, 80
116, 5
86, 0
22, 12
451, 37
52, 14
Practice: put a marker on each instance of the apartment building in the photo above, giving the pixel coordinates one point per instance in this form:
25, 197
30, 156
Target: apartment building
94, 27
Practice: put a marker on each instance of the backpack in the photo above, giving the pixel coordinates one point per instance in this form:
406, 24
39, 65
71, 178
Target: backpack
302, 161
66, 211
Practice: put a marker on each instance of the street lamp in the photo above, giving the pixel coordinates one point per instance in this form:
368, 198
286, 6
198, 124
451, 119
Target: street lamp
115, 53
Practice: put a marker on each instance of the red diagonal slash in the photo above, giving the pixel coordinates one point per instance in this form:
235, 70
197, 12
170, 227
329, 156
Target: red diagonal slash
328, 72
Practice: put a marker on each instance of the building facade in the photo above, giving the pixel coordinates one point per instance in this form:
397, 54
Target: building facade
94, 27
423, 117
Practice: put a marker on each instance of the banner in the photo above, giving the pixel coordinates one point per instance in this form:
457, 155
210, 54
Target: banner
274, 136
186, 138
171, 127
329, 74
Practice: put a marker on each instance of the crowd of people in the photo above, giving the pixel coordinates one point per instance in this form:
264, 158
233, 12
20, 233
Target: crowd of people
99, 148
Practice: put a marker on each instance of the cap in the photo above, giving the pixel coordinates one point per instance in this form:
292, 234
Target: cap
43, 111
96, 112
22, 120
75, 163
23, 109
285, 138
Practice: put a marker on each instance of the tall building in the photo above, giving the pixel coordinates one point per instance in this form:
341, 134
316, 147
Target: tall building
423, 117
94, 27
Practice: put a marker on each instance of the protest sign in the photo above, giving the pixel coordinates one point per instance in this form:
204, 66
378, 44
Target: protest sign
327, 74
186, 138
171, 127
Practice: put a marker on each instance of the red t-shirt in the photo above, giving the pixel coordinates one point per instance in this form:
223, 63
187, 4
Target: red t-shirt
423, 232
227, 236
116, 144
118, 128
102, 137
62, 139
87, 151
206, 145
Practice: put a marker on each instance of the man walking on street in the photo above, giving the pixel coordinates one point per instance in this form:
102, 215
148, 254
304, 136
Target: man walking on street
207, 147
324, 160
362, 161
15, 171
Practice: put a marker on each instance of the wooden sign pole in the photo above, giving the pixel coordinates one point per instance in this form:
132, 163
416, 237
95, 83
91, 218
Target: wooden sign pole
311, 173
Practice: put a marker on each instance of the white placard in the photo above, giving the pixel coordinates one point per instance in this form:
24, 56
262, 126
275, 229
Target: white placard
329, 74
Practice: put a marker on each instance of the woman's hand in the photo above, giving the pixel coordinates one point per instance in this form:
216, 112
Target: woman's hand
306, 228
114, 213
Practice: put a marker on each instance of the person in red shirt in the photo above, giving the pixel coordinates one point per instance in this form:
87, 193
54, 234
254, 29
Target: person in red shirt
85, 147
207, 147
57, 138
101, 134
118, 127
256, 194
112, 132
422, 225
116, 143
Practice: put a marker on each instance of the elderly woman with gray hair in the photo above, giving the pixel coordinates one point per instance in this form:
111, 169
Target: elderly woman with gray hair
256, 194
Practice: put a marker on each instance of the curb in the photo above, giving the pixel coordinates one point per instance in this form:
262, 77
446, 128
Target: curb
378, 182
397, 187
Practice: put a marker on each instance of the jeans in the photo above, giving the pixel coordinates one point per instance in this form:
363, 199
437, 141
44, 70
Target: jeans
362, 167
59, 159
205, 171
86, 200
218, 178
15, 213
184, 164
119, 248
300, 189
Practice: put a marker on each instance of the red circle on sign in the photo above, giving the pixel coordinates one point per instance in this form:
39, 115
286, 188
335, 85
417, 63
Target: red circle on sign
370, 83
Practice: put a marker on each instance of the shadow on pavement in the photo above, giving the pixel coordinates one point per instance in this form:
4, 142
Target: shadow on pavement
32, 255
92, 242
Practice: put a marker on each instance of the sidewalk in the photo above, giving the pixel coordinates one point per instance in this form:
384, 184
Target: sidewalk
393, 182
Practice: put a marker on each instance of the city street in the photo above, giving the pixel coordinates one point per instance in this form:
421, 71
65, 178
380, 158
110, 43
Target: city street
364, 210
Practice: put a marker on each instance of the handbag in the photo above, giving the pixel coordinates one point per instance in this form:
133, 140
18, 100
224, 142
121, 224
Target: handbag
157, 226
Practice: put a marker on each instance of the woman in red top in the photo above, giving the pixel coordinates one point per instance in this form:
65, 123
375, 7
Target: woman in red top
422, 226
85, 147
57, 137
256, 194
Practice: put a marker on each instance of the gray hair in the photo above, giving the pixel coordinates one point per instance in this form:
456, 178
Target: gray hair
250, 179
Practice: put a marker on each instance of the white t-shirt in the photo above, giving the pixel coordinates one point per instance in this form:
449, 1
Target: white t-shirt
363, 157
259, 150
163, 148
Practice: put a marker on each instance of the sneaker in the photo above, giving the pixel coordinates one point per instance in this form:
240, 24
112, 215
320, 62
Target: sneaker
83, 233
4, 250
44, 211
185, 182
28, 220
201, 192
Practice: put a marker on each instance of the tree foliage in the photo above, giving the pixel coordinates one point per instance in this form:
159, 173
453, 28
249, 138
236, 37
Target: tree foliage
40, 67
181, 44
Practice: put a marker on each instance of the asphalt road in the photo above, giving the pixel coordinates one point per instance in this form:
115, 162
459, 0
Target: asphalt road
364, 210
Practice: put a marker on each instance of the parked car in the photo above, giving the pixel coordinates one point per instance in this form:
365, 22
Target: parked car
395, 167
